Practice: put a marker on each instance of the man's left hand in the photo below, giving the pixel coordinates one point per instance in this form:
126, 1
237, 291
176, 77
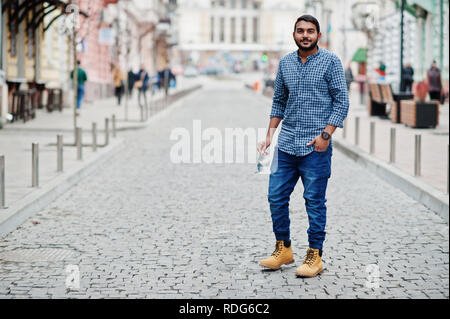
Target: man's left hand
320, 145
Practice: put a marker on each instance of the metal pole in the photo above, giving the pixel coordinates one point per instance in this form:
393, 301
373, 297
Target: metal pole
393, 140
142, 112
344, 131
357, 130
75, 81
94, 137
2, 182
106, 132
417, 157
402, 28
35, 165
79, 143
372, 137
59, 152
114, 125
448, 168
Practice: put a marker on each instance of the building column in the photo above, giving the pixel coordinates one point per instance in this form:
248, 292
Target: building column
21, 49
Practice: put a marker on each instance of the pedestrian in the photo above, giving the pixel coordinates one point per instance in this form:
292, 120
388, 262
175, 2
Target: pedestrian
82, 78
434, 82
166, 79
311, 99
407, 78
348, 76
131, 82
142, 84
119, 83
381, 70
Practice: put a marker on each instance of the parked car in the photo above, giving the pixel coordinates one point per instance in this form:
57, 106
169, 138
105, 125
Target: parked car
190, 72
212, 70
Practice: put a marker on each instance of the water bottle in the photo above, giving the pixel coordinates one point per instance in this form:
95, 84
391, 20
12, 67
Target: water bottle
263, 166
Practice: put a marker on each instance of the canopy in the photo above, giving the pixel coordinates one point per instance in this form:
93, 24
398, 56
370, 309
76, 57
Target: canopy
360, 56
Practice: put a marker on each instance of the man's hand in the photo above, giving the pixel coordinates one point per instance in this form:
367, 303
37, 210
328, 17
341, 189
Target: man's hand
264, 145
321, 145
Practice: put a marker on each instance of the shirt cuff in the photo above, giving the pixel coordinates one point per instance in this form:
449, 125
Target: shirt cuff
336, 121
276, 113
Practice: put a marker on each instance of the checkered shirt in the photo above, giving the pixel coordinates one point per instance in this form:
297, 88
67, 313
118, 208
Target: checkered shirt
308, 97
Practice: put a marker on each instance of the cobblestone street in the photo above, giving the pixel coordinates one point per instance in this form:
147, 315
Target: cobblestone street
144, 227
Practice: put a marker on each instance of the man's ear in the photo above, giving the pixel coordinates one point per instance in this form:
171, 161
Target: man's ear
319, 36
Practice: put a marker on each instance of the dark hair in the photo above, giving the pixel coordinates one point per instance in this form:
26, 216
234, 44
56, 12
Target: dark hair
308, 18
78, 62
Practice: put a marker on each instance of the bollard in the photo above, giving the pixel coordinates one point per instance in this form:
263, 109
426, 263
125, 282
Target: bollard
106, 132
344, 130
79, 143
392, 150
59, 152
372, 137
142, 113
2, 182
35, 165
94, 137
417, 157
114, 125
357, 130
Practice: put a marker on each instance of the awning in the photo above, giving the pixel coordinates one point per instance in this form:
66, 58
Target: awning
18, 12
360, 56
424, 4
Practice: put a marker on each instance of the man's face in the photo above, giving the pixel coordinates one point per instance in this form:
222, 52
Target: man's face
306, 36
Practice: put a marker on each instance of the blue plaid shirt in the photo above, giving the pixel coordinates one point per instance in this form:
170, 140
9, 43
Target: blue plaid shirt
308, 97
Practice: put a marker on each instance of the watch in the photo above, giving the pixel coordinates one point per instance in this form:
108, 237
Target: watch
326, 136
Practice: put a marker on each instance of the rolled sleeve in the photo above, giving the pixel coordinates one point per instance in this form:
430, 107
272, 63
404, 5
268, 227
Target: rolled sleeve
280, 95
339, 93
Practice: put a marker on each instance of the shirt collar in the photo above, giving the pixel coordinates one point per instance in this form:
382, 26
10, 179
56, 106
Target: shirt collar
319, 51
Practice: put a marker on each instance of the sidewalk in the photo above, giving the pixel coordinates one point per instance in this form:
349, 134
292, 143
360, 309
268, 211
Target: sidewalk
434, 164
16, 140
434, 142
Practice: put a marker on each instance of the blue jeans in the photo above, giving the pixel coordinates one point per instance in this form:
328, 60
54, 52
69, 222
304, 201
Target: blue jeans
314, 170
80, 96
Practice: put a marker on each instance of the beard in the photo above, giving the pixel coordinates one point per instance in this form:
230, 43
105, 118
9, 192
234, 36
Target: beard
310, 48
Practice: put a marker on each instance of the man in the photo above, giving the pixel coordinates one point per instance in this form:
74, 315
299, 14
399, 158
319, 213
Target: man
349, 76
312, 100
434, 82
408, 78
82, 78
131, 81
142, 84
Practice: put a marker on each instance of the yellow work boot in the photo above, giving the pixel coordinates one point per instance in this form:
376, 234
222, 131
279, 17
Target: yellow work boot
281, 256
312, 266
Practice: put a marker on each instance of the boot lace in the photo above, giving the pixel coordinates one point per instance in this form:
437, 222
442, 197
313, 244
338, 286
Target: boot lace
311, 256
278, 249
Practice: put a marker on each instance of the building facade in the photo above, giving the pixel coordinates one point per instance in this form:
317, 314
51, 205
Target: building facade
425, 39
235, 31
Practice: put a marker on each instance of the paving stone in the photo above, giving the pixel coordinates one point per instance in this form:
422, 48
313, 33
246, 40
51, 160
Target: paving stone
144, 227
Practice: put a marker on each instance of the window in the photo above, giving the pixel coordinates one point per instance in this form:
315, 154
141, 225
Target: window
222, 3
222, 29
233, 30
213, 3
244, 30
255, 30
256, 5
233, 4
212, 29
244, 4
